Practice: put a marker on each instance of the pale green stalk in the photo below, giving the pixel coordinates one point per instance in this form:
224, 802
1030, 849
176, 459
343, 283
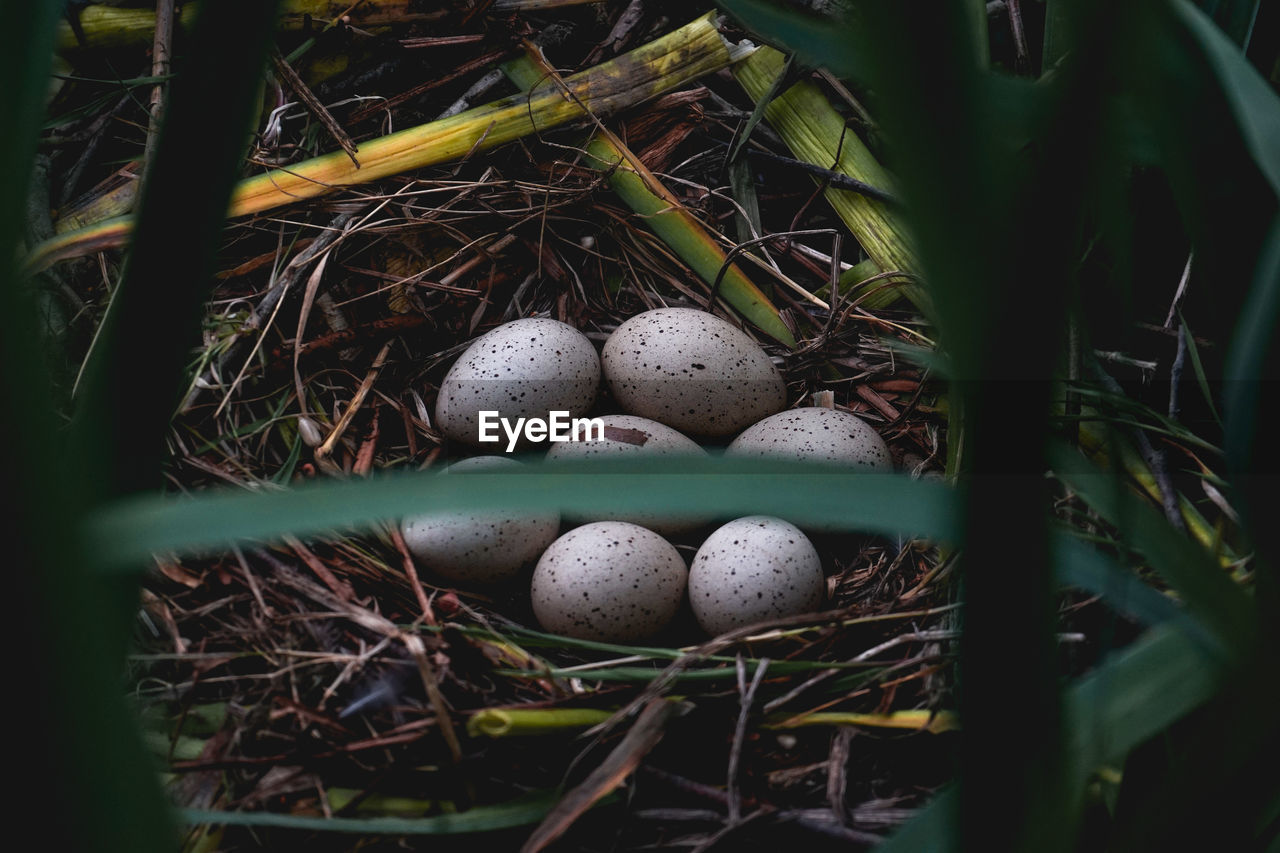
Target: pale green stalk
817, 134
663, 213
515, 722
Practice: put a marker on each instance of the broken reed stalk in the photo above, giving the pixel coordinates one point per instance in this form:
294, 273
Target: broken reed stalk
111, 197
660, 210
514, 722
683, 233
677, 58
817, 134
107, 27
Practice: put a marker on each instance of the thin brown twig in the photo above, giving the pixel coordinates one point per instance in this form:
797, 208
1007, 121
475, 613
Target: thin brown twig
747, 698
427, 85
913, 637
838, 773
441, 41
340, 588
411, 573
730, 828
326, 448
303, 93
263, 313
644, 735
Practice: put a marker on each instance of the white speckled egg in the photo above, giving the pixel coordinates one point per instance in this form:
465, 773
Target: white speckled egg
523, 369
815, 434
479, 549
692, 371
753, 569
628, 436
609, 581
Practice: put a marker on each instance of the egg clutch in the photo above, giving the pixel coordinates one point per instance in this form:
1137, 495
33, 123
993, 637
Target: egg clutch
680, 374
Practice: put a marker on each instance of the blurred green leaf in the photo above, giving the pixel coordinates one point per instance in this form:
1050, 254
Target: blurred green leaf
1113, 408
86, 782
1083, 567
1250, 359
1135, 694
1217, 761
1254, 104
1209, 594
1055, 45
134, 376
131, 529
932, 828
989, 213
1235, 17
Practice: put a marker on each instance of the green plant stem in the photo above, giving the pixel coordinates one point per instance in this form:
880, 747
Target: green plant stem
924, 721
517, 722
662, 212
817, 134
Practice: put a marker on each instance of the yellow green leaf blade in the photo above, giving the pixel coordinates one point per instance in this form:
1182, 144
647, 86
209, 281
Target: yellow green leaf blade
98, 237
663, 64
919, 720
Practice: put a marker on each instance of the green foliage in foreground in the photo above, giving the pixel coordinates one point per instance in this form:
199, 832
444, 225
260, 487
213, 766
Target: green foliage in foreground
1001, 179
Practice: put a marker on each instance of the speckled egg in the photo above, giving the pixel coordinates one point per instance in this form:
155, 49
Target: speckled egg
753, 569
629, 436
479, 549
523, 369
692, 371
815, 434
609, 581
